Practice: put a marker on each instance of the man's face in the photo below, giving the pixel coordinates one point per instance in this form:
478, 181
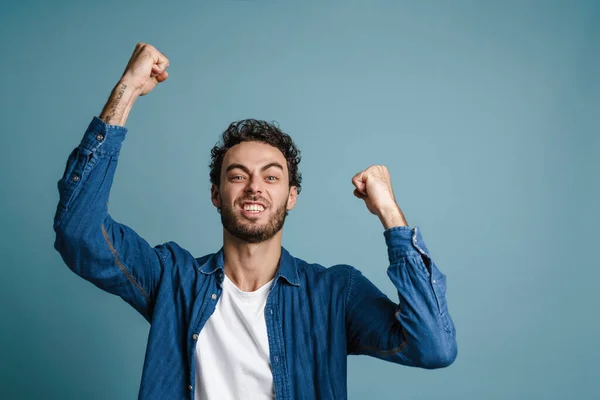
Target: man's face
254, 192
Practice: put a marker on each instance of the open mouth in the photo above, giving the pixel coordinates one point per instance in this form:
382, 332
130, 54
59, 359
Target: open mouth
252, 209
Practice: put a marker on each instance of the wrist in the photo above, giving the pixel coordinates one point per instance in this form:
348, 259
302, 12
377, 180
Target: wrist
134, 86
132, 90
392, 217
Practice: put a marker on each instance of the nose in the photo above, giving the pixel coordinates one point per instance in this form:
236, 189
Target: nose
254, 185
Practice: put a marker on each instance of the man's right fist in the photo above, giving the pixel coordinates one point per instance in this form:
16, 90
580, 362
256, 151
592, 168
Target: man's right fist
147, 67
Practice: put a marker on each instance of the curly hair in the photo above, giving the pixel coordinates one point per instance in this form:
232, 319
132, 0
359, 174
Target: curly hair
257, 131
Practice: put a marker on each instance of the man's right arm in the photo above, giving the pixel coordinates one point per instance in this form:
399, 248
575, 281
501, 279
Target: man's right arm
93, 245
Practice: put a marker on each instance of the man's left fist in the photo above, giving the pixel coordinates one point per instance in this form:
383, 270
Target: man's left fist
374, 186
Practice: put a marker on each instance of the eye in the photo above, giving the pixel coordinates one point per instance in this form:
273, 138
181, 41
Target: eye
236, 178
271, 178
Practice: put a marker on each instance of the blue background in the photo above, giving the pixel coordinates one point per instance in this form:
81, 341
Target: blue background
482, 111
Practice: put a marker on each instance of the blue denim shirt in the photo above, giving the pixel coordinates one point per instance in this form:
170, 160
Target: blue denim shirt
315, 316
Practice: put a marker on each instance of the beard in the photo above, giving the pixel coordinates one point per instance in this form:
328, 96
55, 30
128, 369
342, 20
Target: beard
251, 231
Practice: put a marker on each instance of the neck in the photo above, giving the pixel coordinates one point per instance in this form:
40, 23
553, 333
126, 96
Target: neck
250, 265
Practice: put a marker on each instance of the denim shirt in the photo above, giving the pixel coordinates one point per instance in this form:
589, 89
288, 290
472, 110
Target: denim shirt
315, 316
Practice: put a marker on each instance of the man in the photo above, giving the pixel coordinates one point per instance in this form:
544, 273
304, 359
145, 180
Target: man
250, 321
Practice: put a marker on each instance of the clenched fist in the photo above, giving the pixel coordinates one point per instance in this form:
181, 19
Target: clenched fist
146, 68
374, 186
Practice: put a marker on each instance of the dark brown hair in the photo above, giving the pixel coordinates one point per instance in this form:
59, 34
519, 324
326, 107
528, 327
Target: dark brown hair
257, 131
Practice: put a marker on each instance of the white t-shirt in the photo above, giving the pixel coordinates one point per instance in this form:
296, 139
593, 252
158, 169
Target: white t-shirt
232, 351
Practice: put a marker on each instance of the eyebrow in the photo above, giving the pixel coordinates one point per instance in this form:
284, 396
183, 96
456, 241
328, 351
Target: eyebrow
246, 170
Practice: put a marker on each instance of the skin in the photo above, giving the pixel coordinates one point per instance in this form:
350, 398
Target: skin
251, 265
249, 172
146, 68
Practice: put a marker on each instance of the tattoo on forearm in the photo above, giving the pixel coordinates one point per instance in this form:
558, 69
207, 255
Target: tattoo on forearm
112, 106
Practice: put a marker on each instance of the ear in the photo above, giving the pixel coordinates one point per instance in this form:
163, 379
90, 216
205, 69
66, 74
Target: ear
215, 196
291, 203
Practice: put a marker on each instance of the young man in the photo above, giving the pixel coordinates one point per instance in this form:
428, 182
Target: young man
250, 321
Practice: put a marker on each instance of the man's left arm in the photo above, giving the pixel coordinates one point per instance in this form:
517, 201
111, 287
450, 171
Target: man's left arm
419, 330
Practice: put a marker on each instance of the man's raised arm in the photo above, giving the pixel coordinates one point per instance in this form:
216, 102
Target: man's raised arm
109, 254
418, 331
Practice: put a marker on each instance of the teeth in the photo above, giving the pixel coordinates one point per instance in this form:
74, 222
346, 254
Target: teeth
253, 207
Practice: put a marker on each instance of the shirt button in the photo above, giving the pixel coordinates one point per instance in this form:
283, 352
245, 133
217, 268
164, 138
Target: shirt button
99, 137
434, 281
195, 336
271, 311
75, 178
214, 296
276, 359
190, 388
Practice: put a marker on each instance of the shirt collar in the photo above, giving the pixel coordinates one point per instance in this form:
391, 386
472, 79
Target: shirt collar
287, 270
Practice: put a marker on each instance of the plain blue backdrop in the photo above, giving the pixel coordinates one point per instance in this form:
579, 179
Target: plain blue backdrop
482, 111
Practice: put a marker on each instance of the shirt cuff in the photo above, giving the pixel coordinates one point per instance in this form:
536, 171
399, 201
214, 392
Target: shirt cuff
103, 138
402, 240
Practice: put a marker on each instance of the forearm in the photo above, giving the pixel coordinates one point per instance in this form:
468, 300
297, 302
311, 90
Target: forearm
427, 327
416, 331
92, 244
119, 104
84, 191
